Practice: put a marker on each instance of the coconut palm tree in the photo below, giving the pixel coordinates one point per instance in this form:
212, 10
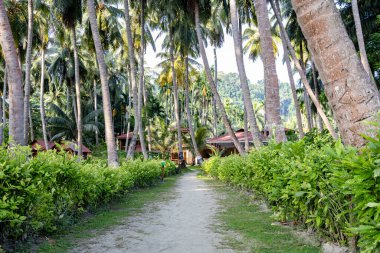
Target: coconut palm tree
16, 96
272, 97
110, 139
360, 38
28, 63
301, 71
248, 107
349, 89
71, 13
195, 6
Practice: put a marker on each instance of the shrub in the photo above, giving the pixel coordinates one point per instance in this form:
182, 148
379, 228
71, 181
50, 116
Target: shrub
42, 193
329, 188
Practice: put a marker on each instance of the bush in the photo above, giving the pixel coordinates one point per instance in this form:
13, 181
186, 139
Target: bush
329, 188
40, 194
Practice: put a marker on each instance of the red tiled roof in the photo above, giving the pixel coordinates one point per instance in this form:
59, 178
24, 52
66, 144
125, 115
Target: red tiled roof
227, 138
125, 136
41, 144
68, 145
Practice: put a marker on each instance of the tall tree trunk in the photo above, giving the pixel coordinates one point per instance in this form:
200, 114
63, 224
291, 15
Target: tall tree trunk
31, 124
77, 92
1, 121
215, 113
110, 138
42, 101
3, 106
16, 96
360, 37
291, 80
28, 64
176, 100
307, 104
272, 96
188, 113
248, 107
348, 87
302, 73
246, 138
141, 79
316, 91
96, 113
145, 95
131, 57
214, 90
128, 111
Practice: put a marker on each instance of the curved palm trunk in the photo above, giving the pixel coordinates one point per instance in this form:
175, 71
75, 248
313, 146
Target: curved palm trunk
16, 96
3, 106
316, 91
28, 59
141, 88
42, 101
131, 57
215, 113
110, 138
348, 87
1, 122
214, 90
272, 96
248, 107
291, 80
360, 37
302, 73
77, 92
246, 140
96, 114
188, 113
176, 100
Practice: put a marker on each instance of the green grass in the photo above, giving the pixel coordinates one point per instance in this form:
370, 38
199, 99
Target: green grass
105, 217
248, 227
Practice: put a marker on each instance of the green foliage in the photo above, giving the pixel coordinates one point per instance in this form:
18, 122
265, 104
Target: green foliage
40, 194
329, 188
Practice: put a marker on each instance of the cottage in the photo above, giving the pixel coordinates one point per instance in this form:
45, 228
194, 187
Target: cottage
72, 148
122, 141
39, 146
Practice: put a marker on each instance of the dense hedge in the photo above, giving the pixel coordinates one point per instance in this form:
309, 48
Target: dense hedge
39, 194
330, 188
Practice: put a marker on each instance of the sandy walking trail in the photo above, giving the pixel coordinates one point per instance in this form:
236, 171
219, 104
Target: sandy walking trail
183, 223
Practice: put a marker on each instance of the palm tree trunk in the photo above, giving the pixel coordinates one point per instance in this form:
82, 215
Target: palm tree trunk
3, 106
348, 87
1, 121
214, 90
31, 124
188, 113
96, 114
215, 113
246, 140
110, 138
16, 96
302, 73
128, 113
248, 107
291, 80
360, 37
316, 91
28, 60
272, 96
307, 104
145, 95
131, 57
141, 88
42, 101
77, 92
176, 100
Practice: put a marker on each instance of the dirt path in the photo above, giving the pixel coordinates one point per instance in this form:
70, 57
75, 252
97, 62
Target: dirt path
184, 223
